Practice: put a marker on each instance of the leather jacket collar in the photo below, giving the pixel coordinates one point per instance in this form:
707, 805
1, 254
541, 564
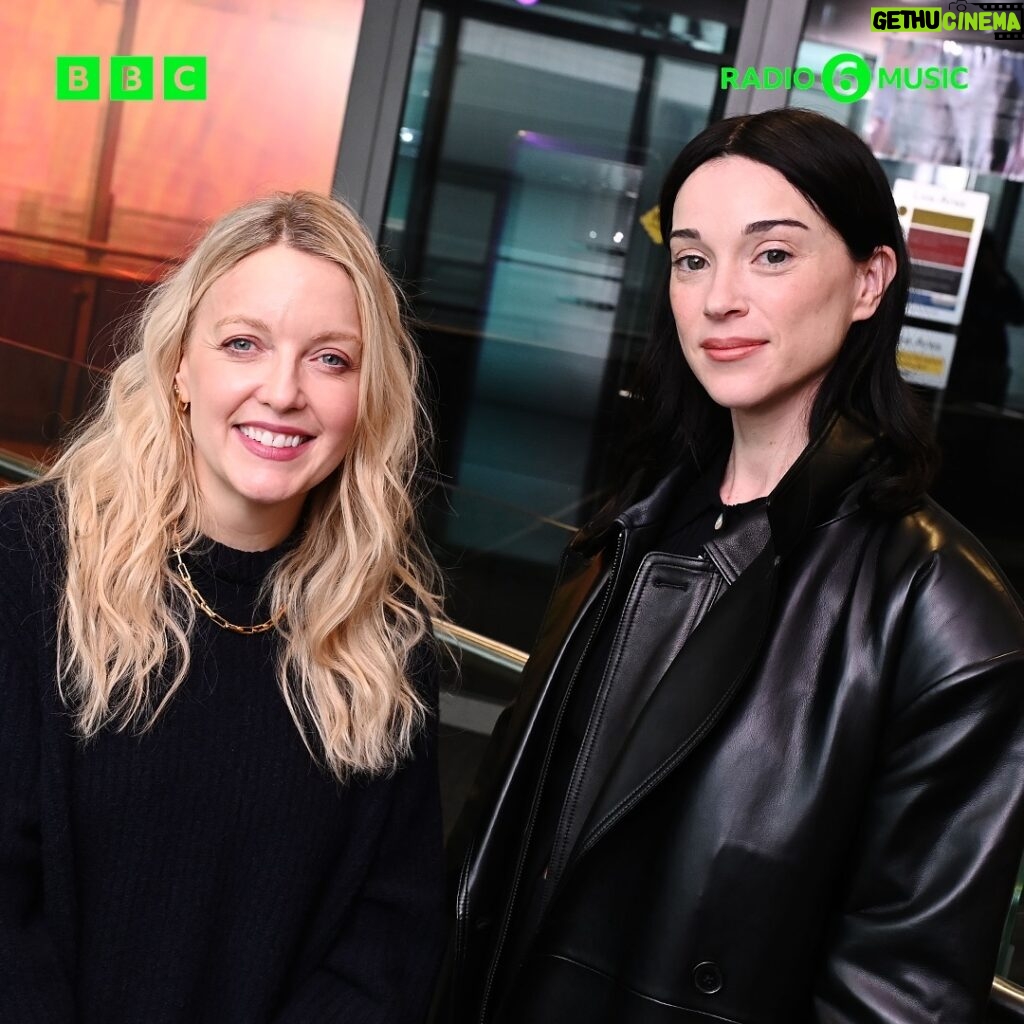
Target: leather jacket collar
823, 484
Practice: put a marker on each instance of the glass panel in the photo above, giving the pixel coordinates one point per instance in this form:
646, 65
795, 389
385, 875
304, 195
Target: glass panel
540, 365
142, 175
815, 55
48, 149
647, 20
40, 396
97, 197
410, 135
681, 98
180, 164
525, 161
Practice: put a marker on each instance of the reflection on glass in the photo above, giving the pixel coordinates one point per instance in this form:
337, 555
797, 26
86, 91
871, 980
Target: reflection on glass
525, 161
646, 20
47, 148
541, 364
815, 55
681, 96
144, 176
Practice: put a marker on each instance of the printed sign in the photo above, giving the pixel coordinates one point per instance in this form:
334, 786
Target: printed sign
943, 229
924, 356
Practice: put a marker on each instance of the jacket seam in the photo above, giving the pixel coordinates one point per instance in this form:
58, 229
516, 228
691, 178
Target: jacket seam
963, 672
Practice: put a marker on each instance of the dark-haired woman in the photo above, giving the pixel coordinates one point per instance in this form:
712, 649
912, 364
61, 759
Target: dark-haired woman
766, 765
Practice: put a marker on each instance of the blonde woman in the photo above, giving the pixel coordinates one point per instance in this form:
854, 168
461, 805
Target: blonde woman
219, 792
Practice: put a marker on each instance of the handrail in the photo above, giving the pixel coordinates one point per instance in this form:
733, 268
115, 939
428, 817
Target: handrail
35, 350
90, 245
19, 468
1007, 999
447, 632
482, 646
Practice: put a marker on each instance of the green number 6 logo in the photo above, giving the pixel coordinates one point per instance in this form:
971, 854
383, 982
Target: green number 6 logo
846, 78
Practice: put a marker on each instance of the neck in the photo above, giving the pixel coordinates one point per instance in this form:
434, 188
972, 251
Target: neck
249, 533
764, 446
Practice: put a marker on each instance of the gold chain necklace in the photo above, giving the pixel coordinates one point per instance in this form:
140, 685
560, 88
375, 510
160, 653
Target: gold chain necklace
200, 601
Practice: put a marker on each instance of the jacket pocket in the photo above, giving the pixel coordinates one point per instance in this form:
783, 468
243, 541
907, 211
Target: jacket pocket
552, 989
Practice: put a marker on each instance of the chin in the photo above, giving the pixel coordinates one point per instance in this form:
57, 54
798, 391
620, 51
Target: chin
738, 399
270, 494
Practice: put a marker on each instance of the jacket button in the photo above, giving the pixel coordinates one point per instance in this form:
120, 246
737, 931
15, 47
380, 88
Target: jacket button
707, 976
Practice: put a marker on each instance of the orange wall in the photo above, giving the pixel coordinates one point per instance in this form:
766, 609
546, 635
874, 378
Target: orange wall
278, 78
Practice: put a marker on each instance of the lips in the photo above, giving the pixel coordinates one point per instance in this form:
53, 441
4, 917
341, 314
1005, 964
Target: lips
273, 438
731, 349
273, 442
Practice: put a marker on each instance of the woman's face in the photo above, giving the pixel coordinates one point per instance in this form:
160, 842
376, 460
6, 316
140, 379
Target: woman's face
271, 369
763, 289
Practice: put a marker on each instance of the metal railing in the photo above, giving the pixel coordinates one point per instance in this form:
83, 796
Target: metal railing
1005, 1003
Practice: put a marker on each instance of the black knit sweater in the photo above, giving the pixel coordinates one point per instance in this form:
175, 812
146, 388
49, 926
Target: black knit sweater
206, 870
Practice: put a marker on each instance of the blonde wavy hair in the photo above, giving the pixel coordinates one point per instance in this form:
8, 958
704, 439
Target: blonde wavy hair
357, 590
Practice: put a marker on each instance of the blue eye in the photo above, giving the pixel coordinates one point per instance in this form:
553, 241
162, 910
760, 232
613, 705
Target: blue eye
333, 360
239, 344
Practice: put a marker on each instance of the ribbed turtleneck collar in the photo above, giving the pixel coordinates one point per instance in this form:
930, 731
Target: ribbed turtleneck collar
232, 565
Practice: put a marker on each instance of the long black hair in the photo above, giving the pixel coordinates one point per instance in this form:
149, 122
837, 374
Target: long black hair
675, 418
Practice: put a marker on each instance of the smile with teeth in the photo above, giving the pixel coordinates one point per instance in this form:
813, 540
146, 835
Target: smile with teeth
272, 440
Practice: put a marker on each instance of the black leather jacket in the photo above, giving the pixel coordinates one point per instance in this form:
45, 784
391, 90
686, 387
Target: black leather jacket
811, 810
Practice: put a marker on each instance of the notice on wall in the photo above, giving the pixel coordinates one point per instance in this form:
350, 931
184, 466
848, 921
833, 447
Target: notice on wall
924, 356
943, 229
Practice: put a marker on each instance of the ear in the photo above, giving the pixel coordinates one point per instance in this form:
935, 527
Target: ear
181, 382
874, 275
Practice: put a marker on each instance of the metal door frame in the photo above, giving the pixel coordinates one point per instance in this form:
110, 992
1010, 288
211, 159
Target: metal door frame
770, 34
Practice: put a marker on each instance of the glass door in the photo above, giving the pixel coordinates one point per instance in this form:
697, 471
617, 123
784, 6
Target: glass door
533, 142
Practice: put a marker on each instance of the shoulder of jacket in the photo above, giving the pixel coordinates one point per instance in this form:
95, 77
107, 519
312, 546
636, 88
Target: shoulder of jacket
959, 612
942, 548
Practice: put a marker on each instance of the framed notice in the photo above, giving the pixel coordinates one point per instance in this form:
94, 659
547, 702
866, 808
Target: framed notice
943, 228
924, 356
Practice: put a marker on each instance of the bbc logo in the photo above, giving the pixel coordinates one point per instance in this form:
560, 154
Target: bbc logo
131, 78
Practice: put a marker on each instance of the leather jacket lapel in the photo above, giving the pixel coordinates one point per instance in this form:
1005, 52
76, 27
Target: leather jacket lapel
691, 696
711, 667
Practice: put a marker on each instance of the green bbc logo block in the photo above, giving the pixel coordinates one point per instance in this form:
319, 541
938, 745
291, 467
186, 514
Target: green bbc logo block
184, 78
131, 78
78, 78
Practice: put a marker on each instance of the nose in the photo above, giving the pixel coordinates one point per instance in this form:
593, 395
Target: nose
725, 294
280, 387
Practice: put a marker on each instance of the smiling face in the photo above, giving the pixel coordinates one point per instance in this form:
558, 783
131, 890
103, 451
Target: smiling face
271, 369
763, 289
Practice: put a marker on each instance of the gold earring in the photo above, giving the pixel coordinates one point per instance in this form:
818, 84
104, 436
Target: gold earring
182, 404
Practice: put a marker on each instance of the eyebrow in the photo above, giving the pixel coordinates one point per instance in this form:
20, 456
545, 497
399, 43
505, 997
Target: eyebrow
757, 227
258, 325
